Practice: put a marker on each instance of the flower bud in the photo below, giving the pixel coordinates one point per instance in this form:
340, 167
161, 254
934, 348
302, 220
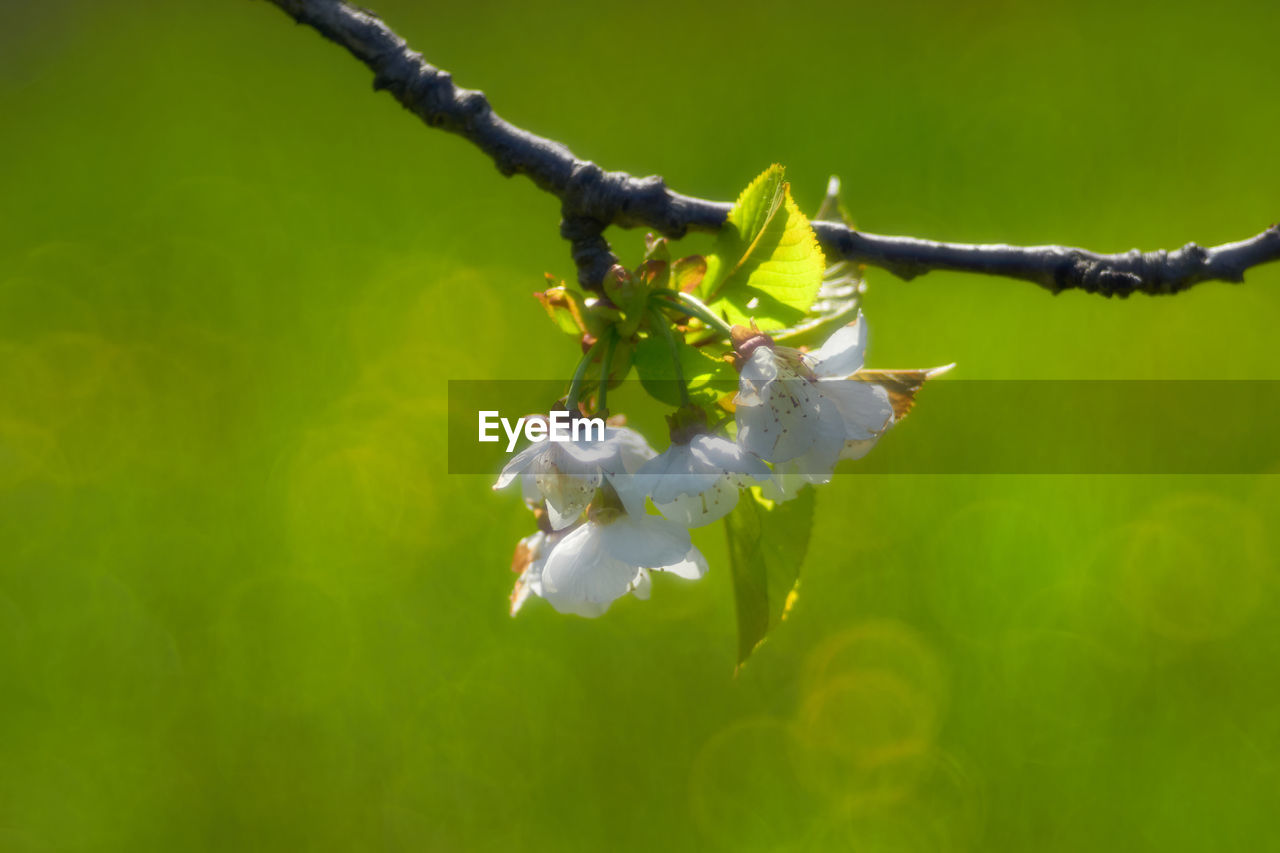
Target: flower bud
746, 341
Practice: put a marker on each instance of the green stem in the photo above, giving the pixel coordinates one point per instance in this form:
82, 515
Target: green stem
694, 307
675, 354
611, 343
575, 385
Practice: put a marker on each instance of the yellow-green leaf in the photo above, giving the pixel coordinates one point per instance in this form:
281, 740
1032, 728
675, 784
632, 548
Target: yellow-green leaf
767, 265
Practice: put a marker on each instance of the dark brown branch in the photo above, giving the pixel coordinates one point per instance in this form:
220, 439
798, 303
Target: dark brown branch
593, 199
1059, 268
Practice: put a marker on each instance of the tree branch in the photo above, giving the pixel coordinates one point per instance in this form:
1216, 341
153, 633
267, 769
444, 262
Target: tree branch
593, 199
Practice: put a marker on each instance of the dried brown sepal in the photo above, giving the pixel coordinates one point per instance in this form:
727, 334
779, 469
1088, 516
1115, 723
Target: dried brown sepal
901, 385
559, 301
522, 557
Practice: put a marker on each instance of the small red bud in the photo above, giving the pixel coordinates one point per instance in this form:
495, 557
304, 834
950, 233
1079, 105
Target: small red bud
746, 341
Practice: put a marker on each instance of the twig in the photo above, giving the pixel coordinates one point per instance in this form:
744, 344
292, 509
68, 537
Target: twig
593, 199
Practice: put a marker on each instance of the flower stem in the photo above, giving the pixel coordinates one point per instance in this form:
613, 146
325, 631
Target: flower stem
665, 328
693, 307
611, 343
575, 385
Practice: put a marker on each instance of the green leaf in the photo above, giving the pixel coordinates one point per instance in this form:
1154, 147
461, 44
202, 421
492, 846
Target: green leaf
767, 265
767, 545
839, 297
708, 378
630, 292
839, 301
656, 248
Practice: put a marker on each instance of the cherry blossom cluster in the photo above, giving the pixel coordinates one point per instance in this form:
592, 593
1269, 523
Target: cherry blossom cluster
796, 414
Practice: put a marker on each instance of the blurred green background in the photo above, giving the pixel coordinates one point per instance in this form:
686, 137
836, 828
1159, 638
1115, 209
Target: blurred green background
243, 607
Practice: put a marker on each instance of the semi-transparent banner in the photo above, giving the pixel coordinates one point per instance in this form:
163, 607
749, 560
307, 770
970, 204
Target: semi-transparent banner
957, 426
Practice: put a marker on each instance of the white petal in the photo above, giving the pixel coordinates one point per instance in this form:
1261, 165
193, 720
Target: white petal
567, 498
519, 464
585, 455
632, 490
581, 577
728, 456
679, 460
756, 441
791, 476
673, 459
756, 374
566, 514
843, 352
858, 449
864, 406
645, 541
692, 567
628, 453
641, 586
529, 491
578, 458
697, 510
795, 419
685, 472
631, 450
567, 495
686, 484
670, 462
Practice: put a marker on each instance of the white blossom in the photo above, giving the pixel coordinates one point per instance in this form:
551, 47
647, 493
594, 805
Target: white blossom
566, 474
781, 413
864, 407
608, 557
802, 412
696, 482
